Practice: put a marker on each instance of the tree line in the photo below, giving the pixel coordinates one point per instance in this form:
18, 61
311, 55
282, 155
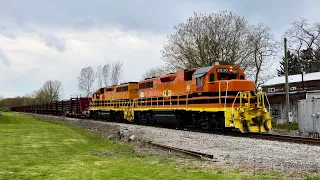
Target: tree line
108, 74
228, 38
50, 91
103, 76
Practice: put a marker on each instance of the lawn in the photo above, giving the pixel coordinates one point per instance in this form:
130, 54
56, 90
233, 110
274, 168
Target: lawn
34, 149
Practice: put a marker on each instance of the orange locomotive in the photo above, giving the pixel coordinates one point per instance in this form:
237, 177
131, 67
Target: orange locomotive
213, 97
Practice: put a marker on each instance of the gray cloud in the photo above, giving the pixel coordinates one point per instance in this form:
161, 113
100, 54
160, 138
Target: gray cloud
88, 24
53, 42
4, 31
4, 59
156, 16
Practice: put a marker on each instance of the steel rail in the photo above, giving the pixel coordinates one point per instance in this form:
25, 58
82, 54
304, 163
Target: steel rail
184, 151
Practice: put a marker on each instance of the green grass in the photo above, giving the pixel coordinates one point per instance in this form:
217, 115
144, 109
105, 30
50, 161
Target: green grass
293, 126
34, 149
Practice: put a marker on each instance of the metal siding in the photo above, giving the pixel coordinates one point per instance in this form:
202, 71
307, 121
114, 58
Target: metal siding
305, 119
317, 115
313, 95
309, 126
301, 115
309, 115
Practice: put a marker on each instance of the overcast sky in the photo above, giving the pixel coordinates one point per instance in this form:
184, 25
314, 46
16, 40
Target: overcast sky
53, 39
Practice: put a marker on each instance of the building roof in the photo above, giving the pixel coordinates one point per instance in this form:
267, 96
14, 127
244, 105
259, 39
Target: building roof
202, 71
293, 78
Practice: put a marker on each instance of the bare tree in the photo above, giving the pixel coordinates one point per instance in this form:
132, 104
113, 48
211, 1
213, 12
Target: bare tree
263, 47
99, 76
86, 80
116, 72
303, 36
304, 39
155, 72
204, 39
50, 91
106, 74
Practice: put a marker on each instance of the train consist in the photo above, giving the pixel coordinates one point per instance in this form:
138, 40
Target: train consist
213, 97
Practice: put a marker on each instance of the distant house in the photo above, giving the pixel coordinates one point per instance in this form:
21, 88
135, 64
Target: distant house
298, 89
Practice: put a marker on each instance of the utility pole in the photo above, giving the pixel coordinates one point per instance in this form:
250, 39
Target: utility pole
301, 69
287, 85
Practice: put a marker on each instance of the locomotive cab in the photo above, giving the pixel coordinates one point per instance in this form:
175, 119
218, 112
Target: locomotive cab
222, 78
226, 87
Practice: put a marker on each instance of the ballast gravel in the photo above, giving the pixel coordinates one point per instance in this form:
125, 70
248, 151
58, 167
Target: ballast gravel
261, 154
226, 149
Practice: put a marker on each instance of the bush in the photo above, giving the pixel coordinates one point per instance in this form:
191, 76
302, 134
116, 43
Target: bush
5, 109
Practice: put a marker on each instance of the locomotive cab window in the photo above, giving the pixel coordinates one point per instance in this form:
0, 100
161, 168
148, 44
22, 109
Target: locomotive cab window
200, 81
211, 78
222, 77
227, 76
232, 76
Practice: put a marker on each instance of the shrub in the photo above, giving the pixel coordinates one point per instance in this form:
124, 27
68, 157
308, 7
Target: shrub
5, 109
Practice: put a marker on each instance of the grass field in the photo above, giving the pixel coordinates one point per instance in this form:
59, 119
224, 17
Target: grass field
34, 149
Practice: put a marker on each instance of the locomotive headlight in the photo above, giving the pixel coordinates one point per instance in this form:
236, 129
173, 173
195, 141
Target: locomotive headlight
231, 69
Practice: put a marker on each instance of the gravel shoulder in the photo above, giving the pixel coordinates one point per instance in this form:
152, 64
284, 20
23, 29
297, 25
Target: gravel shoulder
237, 153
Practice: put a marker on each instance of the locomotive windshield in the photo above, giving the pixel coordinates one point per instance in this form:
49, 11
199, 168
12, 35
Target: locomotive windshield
227, 76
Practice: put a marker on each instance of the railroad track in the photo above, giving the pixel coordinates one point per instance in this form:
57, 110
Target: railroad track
285, 138
184, 151
272, 137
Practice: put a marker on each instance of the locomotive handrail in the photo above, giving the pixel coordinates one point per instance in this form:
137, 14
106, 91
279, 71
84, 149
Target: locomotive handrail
268, 101
235, 101
225, 98
219, 92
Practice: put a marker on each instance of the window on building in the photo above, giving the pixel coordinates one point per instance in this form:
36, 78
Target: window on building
275, 112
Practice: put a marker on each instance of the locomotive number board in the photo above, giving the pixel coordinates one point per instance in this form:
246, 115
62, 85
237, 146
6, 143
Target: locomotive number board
225, 70
222, 70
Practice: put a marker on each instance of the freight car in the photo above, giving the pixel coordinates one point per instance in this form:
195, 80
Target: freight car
73, 107
213, 97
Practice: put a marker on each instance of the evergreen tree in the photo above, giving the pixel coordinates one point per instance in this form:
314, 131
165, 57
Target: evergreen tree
293, 65
311, 60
